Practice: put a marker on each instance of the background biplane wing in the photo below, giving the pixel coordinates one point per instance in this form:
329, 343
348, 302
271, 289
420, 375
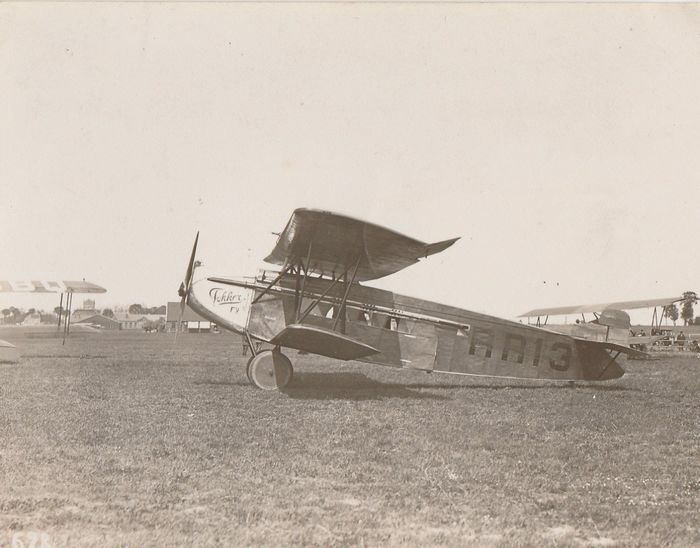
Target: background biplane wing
44, 286
69, 287
584, 308
330, 243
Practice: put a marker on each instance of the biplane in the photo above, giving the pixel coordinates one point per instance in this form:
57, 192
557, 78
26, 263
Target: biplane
318, 303
66, 288
609, 321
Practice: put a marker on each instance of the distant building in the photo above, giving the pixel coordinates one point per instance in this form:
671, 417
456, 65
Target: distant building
99, 320
136, 321
193, 322
82, 313
89, 304
123, 321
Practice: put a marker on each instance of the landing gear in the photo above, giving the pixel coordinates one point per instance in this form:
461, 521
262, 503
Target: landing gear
270, 370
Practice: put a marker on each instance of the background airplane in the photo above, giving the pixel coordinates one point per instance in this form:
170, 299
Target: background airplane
609, 321
8, 352
316, 303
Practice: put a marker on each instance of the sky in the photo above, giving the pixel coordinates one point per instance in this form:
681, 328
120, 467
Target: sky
560, 141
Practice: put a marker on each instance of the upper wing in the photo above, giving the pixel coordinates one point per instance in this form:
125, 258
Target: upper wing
334, 243
582, 308
52, 286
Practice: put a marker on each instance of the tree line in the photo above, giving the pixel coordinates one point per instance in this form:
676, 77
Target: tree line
686, 313
139, 309
13, 315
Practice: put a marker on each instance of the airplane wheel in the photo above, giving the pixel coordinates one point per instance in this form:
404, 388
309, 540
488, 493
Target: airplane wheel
270, 370
247, 370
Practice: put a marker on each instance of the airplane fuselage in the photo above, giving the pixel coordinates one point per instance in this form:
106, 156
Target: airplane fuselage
407, 332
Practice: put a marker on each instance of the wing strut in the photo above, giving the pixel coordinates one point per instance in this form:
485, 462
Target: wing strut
656, 319
341, 308
273, 282
250, 344
60, 312
301, 266
318, 300
66, 323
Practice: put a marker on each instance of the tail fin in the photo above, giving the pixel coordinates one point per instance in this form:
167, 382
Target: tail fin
600, 364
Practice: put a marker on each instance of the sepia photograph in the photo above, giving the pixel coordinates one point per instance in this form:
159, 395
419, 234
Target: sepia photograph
318, 273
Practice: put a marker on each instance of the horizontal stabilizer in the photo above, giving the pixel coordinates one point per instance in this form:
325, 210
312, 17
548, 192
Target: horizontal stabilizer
632, 352
317, 340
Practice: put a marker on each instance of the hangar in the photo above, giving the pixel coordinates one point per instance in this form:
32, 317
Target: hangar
99, 320
191, 321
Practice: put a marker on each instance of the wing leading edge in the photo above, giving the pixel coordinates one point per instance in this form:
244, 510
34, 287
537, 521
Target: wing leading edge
332, 243
36, 286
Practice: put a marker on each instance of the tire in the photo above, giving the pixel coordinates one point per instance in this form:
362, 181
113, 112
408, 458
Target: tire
270, 370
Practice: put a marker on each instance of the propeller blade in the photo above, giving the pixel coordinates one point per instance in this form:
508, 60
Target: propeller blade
184, 290
190, 266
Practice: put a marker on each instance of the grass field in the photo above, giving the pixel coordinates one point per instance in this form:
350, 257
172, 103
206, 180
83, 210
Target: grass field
125, 439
